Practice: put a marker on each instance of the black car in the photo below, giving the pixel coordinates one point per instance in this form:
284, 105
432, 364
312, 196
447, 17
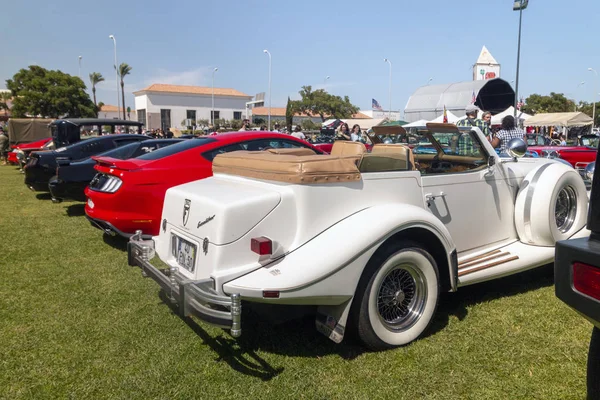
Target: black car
72, 130
72, 178
577, 282
42, 164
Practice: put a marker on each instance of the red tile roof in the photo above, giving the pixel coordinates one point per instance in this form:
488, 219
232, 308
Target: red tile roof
164, 88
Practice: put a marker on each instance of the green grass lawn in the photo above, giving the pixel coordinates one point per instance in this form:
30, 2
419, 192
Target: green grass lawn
77, 322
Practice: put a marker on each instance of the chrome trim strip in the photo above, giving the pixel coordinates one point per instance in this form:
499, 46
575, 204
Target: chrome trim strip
529, 198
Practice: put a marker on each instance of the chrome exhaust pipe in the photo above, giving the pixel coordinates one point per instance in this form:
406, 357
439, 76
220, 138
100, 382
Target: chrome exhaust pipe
110, 232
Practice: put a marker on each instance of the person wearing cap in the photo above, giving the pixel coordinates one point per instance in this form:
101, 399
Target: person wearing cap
465, 143
3, 146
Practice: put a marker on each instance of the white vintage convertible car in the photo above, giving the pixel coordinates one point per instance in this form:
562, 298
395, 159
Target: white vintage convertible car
369, 238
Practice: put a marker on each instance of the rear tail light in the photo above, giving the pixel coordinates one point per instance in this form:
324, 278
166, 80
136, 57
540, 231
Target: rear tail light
586, 279
261, 246
271, 294
106, 183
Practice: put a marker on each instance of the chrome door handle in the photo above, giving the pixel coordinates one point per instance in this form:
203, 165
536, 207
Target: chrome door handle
429, 197
432, 197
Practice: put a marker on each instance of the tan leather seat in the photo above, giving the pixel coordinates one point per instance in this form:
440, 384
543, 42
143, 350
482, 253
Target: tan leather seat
388, 157
342, 148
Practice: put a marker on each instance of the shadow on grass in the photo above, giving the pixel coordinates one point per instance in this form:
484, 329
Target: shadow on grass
455, 304
299, 338
76, 210
295, 338
116, 242
44, 196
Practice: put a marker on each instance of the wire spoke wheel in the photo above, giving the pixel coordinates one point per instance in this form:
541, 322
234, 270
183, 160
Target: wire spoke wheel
565, 208
401, 297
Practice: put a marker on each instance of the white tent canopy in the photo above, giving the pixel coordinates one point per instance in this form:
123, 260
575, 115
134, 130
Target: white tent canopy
452, 119
416, 124
567, 119
364, 123
497, 119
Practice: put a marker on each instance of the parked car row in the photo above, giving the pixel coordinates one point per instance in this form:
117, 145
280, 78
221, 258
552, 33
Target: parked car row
367, 239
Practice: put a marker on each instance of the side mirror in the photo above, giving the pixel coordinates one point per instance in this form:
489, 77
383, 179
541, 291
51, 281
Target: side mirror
491, 161
516, 148
63, 162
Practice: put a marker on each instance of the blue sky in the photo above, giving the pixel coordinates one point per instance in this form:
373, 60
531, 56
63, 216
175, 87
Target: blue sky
180, 42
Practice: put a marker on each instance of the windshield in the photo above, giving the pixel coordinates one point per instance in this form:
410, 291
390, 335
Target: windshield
591, 141
121, 153
176, 148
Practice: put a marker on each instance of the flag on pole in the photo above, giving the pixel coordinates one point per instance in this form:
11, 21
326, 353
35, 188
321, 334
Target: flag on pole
473, 97
520, 104
376, 106
445, 115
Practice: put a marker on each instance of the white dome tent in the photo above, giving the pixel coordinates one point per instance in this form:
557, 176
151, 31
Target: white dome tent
521, 116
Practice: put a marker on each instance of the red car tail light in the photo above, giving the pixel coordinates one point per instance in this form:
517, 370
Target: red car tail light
261, 246
271, 294
105, 183
586, 279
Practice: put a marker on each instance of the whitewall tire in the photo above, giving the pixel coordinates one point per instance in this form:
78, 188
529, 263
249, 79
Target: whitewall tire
396, 297
551, 205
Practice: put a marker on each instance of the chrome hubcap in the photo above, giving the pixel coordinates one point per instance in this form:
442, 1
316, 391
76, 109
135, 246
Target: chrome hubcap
565, 209
401, 297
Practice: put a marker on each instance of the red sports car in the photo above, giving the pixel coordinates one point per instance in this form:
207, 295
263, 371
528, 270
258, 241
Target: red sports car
127, 195
22, 151
578, 156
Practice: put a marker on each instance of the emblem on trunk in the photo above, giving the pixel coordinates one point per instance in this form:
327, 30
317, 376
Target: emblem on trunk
205, 246
206, 221
186, 211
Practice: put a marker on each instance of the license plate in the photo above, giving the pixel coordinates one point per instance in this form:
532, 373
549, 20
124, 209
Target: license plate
90, 203
184, 252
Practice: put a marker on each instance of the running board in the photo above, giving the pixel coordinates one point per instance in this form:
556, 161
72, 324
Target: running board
482, 262
493, 263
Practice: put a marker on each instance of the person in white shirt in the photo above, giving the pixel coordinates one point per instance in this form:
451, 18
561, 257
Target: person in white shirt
298, 133
356, 135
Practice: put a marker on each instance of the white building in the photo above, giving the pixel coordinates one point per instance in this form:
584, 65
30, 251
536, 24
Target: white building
168, 106
111, 112
486, 66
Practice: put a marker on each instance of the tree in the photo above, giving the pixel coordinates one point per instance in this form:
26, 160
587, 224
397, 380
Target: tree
4, 98
124, 70
323, 104
588, 109
37, 91
555, 102
309, 125
95, 78
289, 115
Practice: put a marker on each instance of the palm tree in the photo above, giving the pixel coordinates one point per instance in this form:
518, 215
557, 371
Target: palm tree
95, 78
124, 70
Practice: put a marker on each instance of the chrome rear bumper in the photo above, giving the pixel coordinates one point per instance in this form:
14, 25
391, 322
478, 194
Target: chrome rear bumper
196, 298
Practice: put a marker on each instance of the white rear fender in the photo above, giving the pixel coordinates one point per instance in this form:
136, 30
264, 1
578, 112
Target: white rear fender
326, 269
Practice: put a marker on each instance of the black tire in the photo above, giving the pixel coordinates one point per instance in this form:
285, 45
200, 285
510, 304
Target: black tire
396, 296
593, 366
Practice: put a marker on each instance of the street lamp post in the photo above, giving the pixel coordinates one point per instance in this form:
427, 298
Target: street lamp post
519, 5
594, 98
429, 81
326, 79
212, 112
269, 116
390, 88
116, 73
578, 86
80, 57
